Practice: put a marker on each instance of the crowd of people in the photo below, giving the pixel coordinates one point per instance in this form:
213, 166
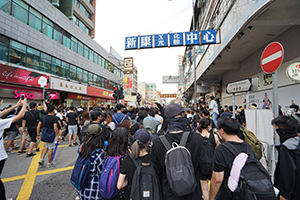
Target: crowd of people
147, 136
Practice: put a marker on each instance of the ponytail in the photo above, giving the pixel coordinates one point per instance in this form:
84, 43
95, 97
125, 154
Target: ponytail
135, 149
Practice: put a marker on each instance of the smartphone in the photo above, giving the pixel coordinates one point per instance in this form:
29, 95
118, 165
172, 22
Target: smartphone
22, 96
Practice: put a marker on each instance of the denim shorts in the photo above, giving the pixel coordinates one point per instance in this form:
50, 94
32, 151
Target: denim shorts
49, 145
72, 129
12, 135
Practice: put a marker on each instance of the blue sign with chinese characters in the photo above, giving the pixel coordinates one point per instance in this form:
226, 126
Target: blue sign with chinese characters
146, 41
208, 37
131, 42
161, 40
176, 39
192, 38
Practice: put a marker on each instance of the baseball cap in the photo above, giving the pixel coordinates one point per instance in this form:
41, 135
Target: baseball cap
150, 122
226, 114
143, 136
174, 109
93, 130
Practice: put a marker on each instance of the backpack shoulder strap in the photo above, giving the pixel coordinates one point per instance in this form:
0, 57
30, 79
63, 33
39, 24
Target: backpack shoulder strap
184, 138
165, 142
231, 148
136, 162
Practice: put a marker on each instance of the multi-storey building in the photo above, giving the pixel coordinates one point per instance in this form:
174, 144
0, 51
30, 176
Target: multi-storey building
48, 43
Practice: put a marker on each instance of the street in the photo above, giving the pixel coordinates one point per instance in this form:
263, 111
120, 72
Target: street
24, 179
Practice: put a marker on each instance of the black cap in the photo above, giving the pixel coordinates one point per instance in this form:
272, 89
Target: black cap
174, 109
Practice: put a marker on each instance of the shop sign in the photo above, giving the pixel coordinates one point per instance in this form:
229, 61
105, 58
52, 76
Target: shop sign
68, 86
53, 95
92, 91
168, 96
293, 71
201, 89
28, 95
21, 76
210, 82
16, 92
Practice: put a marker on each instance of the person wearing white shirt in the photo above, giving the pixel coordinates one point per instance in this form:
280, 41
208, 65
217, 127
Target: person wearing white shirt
213, 109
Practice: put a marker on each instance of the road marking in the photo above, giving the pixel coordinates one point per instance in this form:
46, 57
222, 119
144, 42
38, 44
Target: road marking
26, 189
38, 174
65, 145
272, 57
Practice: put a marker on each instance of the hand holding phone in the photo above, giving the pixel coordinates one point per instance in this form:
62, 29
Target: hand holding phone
22, 96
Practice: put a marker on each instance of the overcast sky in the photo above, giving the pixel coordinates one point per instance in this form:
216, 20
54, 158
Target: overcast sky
117, 19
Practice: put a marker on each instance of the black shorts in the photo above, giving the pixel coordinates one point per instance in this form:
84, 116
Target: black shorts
32, 134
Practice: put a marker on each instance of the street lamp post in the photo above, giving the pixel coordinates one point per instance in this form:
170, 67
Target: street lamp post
194, 49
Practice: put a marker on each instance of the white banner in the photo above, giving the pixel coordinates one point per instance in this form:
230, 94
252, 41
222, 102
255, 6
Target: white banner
68, 86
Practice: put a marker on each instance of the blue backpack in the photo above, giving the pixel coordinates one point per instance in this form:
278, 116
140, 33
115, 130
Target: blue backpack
109, 177
81, 173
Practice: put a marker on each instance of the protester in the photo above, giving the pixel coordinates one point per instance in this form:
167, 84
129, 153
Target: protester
287, 176
93, 149
213, 109
119, 116
72, 120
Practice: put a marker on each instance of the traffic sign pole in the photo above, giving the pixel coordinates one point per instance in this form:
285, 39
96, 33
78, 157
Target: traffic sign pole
275, 101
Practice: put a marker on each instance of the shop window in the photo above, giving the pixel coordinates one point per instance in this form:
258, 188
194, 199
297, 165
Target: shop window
35, 19
45, 63
47, 28
5, 5
17, 53
79, 74
84, 76
73, 74
91, 55
74, 44
65, 69
20, 10
33, 58
56, 67
4, 48
86, 52
80, 48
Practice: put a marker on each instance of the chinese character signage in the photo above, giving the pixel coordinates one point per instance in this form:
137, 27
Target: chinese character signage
168, 96
210, 82
131, 42
68, 86
176, 39
161, 40
171, 39
192, 38
146, 41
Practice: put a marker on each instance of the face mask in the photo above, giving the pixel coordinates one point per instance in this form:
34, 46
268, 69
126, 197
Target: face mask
285, 134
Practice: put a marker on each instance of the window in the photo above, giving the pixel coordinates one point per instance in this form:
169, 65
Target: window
4, 48
99, 81
73, 74
91, 55
86, 52
5, 6
35, 19
17, 53
20, 10
65, 69
56, 67
47, 28
84, 76
57, 34
45, 63
74, 44
33, 58
79, 74
67, 42
80, 48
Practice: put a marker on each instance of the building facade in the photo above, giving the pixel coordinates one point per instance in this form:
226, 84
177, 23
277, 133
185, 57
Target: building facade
53, 38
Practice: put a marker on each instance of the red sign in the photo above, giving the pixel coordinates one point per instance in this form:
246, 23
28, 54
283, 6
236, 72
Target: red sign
272, 57
15, 92
17, 75
92, 91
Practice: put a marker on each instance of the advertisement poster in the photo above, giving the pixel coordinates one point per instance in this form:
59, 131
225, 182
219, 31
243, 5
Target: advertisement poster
21, 76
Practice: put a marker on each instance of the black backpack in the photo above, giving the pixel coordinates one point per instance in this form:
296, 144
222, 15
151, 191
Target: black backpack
254, 182
179, 166
208, 156
145, 183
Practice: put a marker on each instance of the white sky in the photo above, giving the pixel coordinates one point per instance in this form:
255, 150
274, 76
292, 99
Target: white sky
117, 19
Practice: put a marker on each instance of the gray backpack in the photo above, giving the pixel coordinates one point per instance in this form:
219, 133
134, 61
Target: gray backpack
179, 166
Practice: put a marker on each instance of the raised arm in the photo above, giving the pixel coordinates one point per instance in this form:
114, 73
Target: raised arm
6, 111
22, 111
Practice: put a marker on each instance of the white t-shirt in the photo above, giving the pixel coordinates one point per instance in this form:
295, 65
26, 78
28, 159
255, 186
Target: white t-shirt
4, 124
214, 106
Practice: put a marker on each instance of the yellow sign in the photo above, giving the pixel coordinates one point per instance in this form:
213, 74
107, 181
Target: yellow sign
168, 96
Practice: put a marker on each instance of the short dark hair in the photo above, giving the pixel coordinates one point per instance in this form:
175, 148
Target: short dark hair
203, 124
72, 108
95, 115
152, 112
205, 112
229, 125
50, 108
32, 105
286, 122
142, 114
212, 97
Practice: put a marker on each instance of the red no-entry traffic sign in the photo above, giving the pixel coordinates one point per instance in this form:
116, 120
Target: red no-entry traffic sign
272, 57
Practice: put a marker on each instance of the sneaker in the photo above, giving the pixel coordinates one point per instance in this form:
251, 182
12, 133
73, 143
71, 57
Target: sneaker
20, 152
41, 162
75, 144
70, 145
77, 198
37, 150
9, 149
29, 155
51, 164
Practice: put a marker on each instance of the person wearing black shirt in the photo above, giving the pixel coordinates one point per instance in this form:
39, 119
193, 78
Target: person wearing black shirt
48, 121
174, 114
223, 158
72, 119
31, 119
